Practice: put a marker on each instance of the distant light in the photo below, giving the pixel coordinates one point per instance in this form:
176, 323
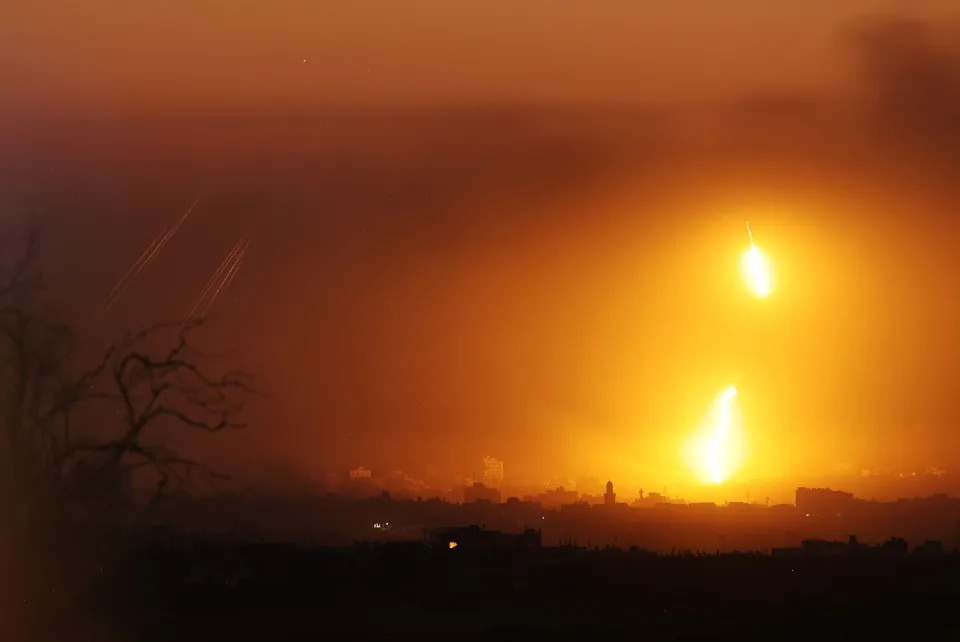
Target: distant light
452, 544
376, 526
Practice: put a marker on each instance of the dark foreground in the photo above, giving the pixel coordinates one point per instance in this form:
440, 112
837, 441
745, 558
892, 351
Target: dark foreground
411, 591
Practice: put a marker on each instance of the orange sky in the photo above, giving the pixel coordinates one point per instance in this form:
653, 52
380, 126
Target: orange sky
110, 55
556, 287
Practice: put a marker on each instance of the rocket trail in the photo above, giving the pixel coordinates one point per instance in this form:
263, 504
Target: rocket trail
218, 275
145, 259
195, 202
228, 279
130, 275
750, 233
218, 283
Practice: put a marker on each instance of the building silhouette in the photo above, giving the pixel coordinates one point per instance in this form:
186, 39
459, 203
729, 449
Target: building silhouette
480, 492
823, 502
609, 497
557, 497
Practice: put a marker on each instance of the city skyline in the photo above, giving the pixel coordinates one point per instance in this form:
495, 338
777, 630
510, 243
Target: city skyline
871, 485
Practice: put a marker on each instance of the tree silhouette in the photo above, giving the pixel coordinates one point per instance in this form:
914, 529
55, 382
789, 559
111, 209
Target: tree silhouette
69, 443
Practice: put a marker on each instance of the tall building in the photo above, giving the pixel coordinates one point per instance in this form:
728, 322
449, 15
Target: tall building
492, 472
609, 497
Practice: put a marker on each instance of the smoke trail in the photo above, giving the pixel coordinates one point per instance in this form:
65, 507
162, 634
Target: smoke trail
146, 258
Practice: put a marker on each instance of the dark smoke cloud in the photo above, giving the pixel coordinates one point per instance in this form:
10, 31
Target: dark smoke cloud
912, 79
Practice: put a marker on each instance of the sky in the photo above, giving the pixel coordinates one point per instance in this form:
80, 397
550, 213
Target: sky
514, 228
120, 57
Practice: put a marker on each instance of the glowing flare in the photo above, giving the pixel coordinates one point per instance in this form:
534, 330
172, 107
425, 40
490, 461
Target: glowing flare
715, 452
756, 271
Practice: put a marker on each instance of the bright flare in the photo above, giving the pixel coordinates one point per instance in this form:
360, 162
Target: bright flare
715, 451
756, 271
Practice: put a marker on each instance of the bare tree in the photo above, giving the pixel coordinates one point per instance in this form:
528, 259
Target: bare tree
68, 442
